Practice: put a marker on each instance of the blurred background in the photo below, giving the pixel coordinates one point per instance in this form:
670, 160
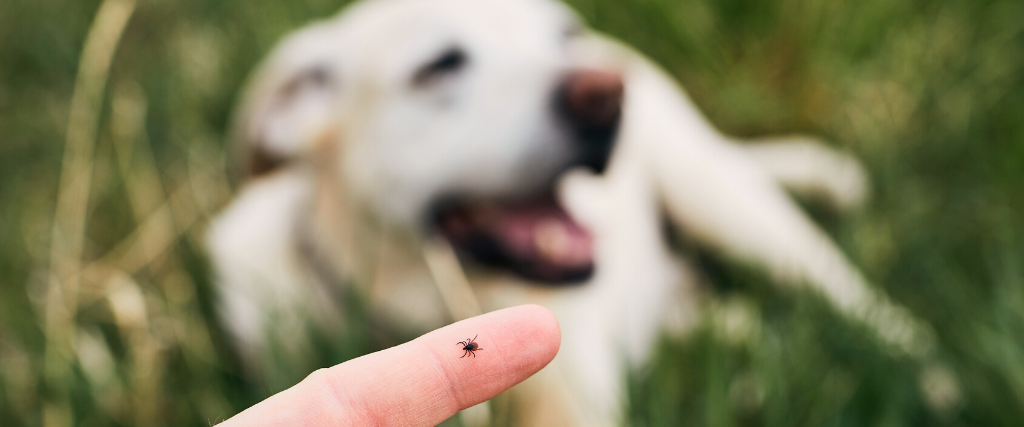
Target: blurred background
112, 161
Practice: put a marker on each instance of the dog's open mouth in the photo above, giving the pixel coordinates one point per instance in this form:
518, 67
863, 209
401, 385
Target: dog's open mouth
535, 238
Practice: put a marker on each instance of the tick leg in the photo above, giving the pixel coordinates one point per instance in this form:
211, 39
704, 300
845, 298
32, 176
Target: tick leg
474, 354
463, 355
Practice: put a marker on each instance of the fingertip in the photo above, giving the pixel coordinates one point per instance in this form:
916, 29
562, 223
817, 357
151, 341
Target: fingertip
519, 341
546, 328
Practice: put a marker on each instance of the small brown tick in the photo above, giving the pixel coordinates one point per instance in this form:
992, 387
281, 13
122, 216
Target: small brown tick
469, 346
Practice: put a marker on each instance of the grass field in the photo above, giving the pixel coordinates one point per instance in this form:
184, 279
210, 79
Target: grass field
108, 177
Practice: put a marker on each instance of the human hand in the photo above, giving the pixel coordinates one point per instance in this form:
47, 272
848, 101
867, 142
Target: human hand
421, 382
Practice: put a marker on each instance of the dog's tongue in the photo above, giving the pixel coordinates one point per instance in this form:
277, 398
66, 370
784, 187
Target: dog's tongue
538, 240
545, 232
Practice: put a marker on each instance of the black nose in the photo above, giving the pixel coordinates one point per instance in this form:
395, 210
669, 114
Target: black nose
591, 101
592, 98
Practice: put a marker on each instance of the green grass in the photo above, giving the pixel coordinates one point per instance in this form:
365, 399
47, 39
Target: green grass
930, 94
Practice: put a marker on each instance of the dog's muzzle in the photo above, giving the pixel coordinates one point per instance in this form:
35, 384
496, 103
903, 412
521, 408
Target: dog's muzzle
534, 237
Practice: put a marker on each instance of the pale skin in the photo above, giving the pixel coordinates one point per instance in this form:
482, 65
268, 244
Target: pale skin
421, 382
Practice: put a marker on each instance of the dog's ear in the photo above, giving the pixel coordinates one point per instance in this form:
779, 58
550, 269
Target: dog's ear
287, 107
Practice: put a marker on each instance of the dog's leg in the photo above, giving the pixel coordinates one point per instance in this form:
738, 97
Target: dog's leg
613, 321
810, 169
727, 201
265, 294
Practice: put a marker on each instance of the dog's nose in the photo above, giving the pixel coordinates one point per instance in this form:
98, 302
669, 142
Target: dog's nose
593, 98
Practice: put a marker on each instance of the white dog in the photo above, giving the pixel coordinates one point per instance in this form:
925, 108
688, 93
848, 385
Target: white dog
381, 144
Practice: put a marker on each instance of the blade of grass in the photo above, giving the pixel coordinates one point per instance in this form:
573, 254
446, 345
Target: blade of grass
73, 195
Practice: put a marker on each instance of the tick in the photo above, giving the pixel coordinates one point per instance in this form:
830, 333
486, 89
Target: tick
469, 346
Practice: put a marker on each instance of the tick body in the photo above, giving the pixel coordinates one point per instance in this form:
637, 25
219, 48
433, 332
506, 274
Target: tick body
469, 346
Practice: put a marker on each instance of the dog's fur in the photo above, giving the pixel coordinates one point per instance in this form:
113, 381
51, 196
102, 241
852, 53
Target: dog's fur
353, 132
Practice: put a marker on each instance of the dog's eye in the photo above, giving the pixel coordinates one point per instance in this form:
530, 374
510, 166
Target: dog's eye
450, 61
315, 78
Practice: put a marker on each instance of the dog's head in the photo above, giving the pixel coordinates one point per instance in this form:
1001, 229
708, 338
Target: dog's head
450, 116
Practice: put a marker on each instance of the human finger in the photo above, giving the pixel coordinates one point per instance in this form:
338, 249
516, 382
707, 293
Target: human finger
421, 382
